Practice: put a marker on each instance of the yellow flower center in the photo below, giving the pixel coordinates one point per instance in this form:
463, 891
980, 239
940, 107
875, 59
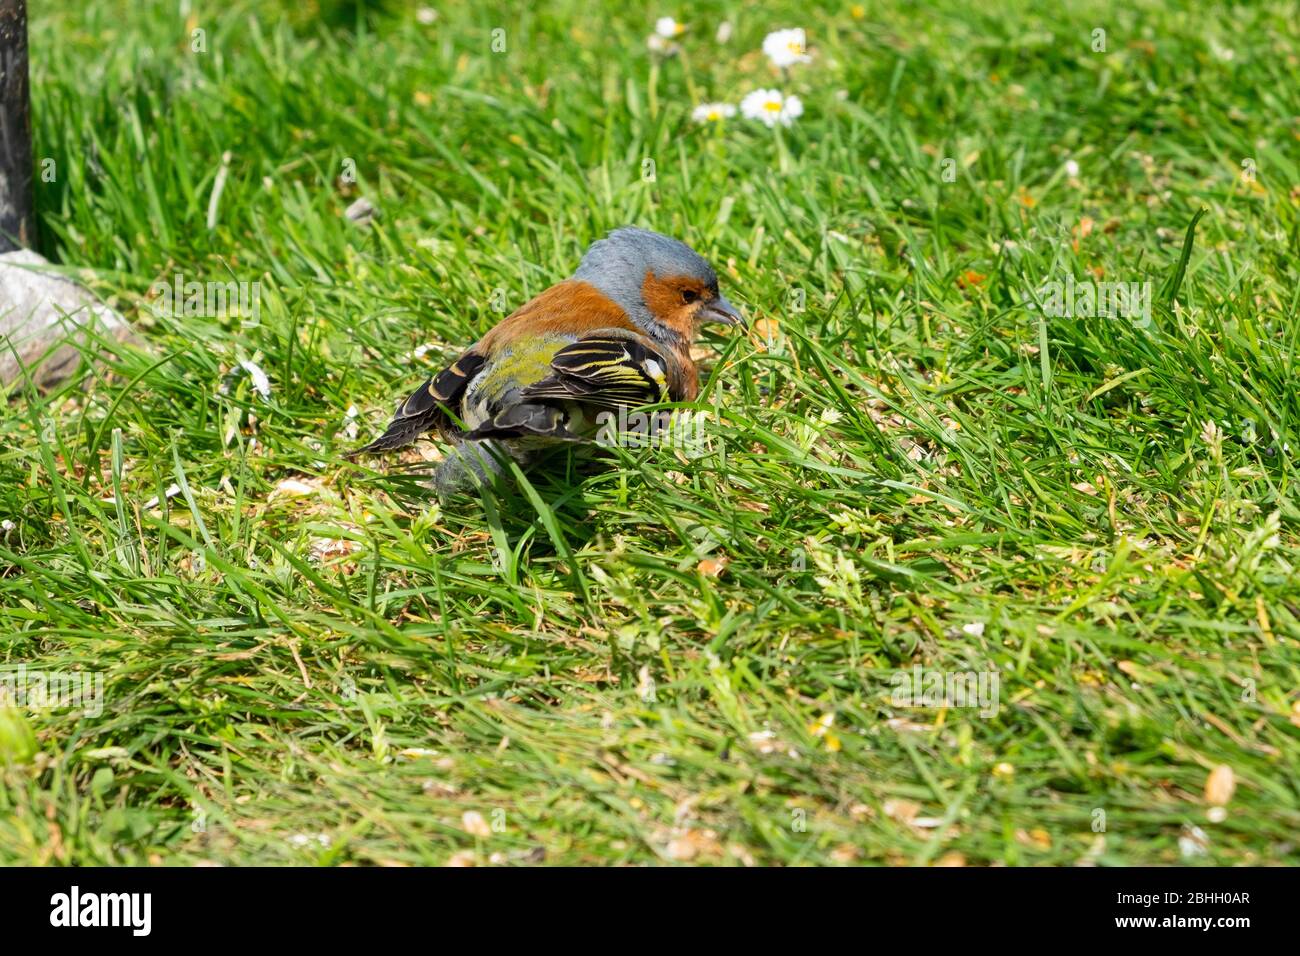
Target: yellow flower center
772, 106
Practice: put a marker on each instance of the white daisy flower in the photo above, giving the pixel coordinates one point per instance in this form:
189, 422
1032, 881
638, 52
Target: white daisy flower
668, 28
724, 31
771, 107
426, 15
1071, 168
787, 47
712, 112
261, 384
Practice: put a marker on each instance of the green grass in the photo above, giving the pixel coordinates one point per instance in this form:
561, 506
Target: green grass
914, 454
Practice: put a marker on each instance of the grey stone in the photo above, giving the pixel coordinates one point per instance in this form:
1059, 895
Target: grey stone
39, 309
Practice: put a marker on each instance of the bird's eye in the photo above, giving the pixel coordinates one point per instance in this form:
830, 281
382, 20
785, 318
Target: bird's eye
689, 296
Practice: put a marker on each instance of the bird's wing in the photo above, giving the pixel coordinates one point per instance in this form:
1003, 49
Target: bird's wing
605, 363
603, 370
608, 368
433, 405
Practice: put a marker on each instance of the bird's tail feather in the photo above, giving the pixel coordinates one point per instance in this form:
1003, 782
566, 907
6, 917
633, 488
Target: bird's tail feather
399, 435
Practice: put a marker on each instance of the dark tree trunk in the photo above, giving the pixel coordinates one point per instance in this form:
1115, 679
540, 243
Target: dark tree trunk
17, 226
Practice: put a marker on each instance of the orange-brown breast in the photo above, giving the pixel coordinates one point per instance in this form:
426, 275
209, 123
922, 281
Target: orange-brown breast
663, 297
690, 380
571, 307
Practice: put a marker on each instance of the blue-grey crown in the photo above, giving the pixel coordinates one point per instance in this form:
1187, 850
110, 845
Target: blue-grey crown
617, 265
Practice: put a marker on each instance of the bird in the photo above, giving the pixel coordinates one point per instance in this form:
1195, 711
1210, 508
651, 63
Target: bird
615, 335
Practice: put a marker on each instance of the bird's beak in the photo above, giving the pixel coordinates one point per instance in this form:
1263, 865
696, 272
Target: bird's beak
721, 311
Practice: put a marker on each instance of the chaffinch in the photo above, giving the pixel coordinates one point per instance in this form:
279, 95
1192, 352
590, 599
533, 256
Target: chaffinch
616, 335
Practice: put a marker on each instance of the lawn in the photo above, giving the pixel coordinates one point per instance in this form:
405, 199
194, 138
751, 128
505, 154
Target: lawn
921, 464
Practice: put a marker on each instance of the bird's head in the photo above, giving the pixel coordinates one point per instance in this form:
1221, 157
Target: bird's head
662, 284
